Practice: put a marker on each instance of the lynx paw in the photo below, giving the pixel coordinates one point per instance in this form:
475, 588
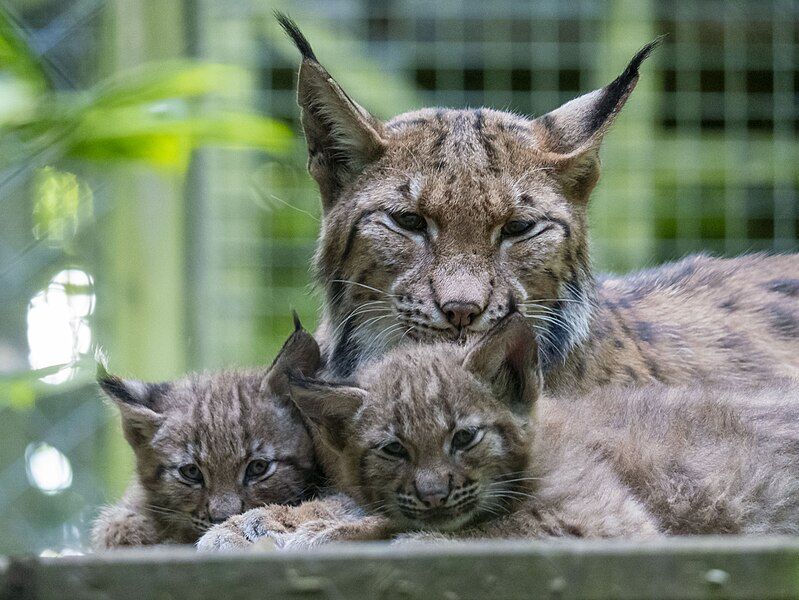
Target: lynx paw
242, 531
117, 528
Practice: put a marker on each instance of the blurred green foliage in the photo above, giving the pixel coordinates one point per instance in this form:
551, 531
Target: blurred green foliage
154, 114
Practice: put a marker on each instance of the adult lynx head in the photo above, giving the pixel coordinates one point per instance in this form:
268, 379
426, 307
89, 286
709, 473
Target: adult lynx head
433, 436
212, 445
438, 223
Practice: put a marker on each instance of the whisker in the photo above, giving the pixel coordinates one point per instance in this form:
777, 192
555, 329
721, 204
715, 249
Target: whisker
363, 285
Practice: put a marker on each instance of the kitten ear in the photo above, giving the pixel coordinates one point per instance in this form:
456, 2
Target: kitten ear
299, 355
507, 357
328, 406
139, 404
342, 136
571, 135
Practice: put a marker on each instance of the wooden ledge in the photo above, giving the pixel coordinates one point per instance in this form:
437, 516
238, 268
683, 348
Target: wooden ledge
677, 568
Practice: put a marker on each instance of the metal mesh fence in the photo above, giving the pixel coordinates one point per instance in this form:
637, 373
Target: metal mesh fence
704, 157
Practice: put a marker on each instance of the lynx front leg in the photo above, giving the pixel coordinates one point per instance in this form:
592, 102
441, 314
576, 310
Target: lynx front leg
240, 531
325, 531
119, 526
275, 522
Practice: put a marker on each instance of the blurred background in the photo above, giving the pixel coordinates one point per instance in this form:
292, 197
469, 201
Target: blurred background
154, 200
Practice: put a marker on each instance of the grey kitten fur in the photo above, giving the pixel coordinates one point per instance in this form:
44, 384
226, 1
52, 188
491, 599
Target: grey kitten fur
209, 446
633, 462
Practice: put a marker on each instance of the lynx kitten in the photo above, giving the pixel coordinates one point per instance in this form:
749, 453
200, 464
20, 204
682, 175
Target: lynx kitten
209, 446
457, 441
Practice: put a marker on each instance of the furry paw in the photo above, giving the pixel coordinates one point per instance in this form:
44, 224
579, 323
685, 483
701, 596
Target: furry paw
242, 531
422, 537
119, 527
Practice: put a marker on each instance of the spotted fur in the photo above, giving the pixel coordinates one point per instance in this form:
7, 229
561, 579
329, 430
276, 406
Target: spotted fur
468, 173
221, 423
644, 462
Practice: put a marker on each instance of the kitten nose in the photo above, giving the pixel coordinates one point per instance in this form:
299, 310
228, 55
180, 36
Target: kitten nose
432, 490
461, 314
222, 507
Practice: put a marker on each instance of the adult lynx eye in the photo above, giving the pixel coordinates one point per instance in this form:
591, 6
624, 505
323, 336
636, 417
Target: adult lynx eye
515, 228
395, 449
258, 469
191, 473
466, 438
410, 221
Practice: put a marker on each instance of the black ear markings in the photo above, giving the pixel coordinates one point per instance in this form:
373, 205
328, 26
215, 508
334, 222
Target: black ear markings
116, 388
575, 129
293, 31
131, 392
615, 93
342, 137
299, 354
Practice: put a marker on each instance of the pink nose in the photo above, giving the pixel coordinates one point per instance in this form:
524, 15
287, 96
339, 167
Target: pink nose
461, 314
432, 493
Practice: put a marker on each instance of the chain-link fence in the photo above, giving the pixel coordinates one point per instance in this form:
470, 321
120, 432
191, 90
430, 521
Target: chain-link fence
200, 269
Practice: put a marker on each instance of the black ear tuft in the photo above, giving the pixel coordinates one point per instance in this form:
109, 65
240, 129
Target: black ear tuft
297, 322
614, 94
291, 29
632, 69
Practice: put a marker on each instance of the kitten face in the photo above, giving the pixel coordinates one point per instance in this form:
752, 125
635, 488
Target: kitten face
210, 446
437, 436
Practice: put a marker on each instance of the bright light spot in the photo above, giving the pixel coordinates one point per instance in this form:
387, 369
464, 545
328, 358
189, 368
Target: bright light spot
48, 469
50, 553
58, 332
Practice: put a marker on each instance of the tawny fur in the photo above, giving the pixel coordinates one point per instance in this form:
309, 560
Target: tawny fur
220, 422
617, 462
469, 172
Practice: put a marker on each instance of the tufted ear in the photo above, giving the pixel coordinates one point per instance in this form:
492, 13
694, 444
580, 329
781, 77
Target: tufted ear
342, 136
140, 405
570, 136
299, 355
507, 358
330, 407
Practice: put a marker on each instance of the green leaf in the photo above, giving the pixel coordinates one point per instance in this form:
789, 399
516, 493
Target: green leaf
167, 138
16, 58
169, 80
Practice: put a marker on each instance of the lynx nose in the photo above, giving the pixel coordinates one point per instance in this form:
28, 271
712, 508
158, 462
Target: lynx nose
222, 507
432, 491
461, 314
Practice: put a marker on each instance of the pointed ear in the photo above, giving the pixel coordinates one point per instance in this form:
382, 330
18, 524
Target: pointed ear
571, 135
139, 403
330, 407
342, 136
507, 358
299, 355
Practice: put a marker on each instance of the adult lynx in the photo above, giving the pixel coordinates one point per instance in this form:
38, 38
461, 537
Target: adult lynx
440, 222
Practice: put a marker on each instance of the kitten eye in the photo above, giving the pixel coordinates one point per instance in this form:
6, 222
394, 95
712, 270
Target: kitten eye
464, 439
395, 449
516, 228
259, 469
191, 473
410, 220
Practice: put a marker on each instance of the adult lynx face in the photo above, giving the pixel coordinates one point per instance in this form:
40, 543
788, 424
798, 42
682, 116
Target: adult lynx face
434, 436
439, 223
